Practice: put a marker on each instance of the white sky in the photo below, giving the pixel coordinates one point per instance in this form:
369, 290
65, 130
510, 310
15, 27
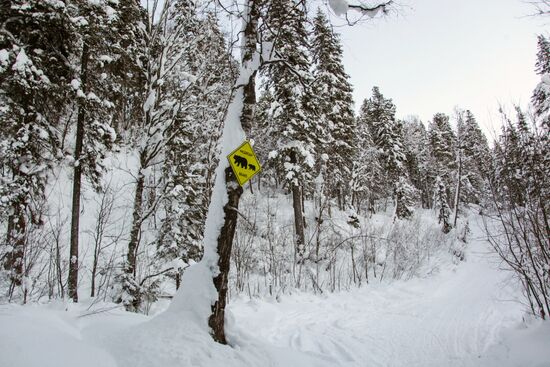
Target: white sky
438, 54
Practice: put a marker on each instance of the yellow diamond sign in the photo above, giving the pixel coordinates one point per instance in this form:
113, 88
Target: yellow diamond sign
244, 163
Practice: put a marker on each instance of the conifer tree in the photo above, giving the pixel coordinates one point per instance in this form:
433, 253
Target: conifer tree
190, 156
541, 95
508, 165
34, 76
441, 205
168, 42
94, 136
541, 99
334, 106
127, 68
442, 145
378, 113
533, 160
296, 132
442, 142
474, 155
540, 146
265, 142
367, 172
418, 158
404, 198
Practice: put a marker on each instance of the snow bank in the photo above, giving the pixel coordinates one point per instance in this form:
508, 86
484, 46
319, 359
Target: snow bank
46, 337
522, 347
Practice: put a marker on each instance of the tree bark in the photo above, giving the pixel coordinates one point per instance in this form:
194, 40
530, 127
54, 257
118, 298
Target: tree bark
77, 182
16, 239
225, 245
94, 274
298, 222
234, 190
458, 188
133, 243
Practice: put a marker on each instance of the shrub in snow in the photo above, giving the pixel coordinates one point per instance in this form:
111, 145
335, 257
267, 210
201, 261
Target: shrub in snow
405, 195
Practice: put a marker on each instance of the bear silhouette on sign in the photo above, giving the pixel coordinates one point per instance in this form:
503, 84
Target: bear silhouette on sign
240, 161
252, 167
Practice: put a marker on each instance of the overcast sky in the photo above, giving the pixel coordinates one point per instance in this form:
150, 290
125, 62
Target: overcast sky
441, 53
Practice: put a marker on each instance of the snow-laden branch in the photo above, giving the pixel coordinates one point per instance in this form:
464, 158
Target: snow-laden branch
341, 7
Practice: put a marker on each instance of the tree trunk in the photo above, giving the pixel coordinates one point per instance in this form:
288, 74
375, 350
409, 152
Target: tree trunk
458, 187
371, 204
133, 243
225, 245
339, 197
233, 189
303, 206
94, 272
59, 270
298, 222
77, 181
16, 239
298, 205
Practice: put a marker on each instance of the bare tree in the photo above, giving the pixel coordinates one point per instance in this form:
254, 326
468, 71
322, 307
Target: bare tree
542, 7
519, 229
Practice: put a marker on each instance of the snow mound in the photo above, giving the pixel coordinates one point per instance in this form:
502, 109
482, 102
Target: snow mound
46, 337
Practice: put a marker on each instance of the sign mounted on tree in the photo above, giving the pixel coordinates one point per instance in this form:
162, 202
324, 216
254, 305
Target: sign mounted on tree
244, 163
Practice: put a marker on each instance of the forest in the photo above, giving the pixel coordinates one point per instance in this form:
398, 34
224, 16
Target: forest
117, 196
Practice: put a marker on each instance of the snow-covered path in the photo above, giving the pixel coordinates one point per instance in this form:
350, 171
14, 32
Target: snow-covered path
447, 319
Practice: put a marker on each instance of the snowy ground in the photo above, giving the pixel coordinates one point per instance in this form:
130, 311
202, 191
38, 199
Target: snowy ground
464, 316
454, 318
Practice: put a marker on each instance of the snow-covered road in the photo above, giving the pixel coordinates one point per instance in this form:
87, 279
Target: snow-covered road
448, 319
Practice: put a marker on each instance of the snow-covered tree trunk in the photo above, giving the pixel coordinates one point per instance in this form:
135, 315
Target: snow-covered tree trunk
133, 243
298, 222
458, 187
234, 191
77, 180
227, 192
16, 239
